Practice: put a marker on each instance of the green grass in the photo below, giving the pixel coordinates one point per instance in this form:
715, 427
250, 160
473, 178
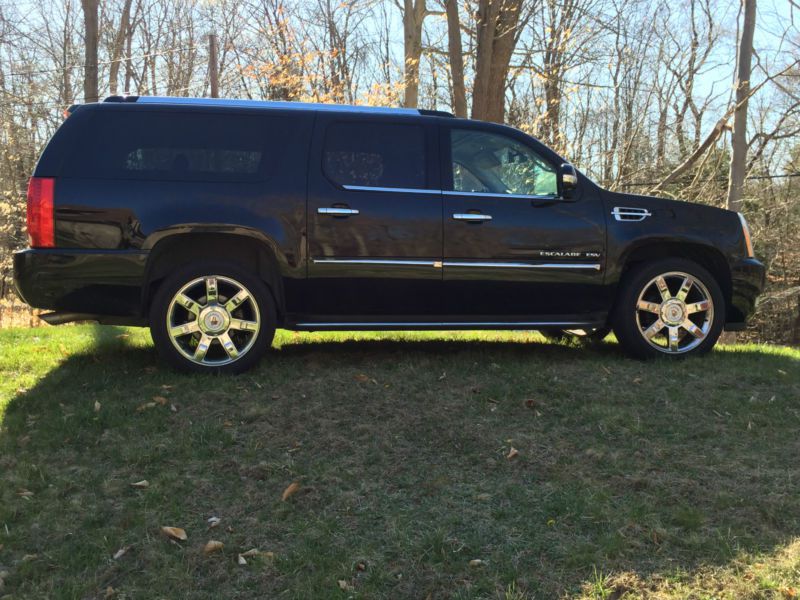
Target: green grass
636, 480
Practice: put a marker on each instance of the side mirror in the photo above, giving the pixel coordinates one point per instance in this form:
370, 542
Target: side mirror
568, 178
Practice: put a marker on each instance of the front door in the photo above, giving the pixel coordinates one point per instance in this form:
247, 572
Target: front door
514, 249
374, 219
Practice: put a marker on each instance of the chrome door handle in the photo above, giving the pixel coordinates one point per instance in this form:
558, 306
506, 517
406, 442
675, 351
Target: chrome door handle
471, 217
338, 212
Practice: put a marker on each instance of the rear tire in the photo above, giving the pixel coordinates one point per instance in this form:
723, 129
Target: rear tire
212, 317
671, 307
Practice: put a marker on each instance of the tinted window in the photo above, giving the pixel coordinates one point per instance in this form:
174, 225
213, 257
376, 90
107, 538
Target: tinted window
181, 146
375, 155
489, 162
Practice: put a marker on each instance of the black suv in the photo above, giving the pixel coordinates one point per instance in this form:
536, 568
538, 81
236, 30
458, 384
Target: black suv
216, 221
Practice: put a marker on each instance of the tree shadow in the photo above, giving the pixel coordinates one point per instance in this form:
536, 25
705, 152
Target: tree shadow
653, 469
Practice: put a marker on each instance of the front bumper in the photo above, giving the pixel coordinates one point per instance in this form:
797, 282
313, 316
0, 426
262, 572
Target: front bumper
748, 277
100, 282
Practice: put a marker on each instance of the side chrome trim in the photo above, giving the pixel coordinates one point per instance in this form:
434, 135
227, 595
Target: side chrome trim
450, 324
369, 188
520, 265
630, 214
494, 195
439, 264
376, 261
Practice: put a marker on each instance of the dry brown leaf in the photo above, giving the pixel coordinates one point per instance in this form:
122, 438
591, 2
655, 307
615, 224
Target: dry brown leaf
344, 586
160, 400
175, 533
475, 562
227, 424
789, 592
25, 493
29, 557
513, 453
141, 484
241, 560
97, 406
110, 592
121, 552
361, 378
361, 566
251, 552
145, 406
290, 491
213, 546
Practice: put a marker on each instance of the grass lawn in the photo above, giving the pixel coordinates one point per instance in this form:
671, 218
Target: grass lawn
637, 480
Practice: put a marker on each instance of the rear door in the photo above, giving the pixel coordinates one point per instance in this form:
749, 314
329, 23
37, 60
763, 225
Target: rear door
374, 219
513, 248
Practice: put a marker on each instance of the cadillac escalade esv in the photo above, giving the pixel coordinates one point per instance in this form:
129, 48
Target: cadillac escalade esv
215, 221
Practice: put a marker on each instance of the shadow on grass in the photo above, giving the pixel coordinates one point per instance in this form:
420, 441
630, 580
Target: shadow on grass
661, 470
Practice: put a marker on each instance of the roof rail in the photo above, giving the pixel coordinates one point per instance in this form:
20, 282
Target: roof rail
121, 99
436, 113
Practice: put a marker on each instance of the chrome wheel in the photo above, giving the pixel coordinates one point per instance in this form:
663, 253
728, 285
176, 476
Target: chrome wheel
213, 320
674, 312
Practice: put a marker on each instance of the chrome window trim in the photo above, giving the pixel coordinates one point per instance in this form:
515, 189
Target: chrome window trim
495, 195
369, 188
448, 324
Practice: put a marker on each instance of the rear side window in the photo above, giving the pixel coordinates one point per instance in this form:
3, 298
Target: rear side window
180, 146
368, 154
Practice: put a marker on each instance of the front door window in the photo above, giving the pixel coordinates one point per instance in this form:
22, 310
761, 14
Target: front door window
497, 164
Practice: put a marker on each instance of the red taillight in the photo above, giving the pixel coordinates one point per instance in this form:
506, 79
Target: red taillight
41, 222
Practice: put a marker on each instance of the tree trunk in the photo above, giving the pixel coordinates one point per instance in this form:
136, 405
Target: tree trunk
119, 46
413, 15
739, 134
455, 51
497, 22
90, 18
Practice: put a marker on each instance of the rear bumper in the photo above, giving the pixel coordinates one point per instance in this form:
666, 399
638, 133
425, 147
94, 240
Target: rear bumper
81, 281
748, 277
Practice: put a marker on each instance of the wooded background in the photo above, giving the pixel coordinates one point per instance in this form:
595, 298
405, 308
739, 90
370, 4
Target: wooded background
691, 99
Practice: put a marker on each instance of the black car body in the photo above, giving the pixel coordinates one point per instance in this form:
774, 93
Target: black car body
356, 218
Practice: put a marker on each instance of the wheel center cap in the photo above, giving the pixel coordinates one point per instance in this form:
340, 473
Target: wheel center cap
214, 320
673, 312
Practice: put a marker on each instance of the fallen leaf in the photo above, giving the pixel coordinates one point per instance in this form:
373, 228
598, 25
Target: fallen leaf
213, 522
227, 424
160, 400
110, 592
251, 552
97, 406
167, 387
361, 567
25, 493
173, 408
361, 378
513, 453
141, 484
213, 546
530, 403
241, 560
175, 533
344, 586
789, 592
475, 562
145, 406
121, 552
29, 557
290, 491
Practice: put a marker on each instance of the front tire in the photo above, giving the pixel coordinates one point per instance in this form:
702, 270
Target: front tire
672, 307
212, 317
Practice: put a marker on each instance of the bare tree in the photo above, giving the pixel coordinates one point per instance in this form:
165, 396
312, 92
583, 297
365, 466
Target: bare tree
456, 55
90, 76
739, 133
